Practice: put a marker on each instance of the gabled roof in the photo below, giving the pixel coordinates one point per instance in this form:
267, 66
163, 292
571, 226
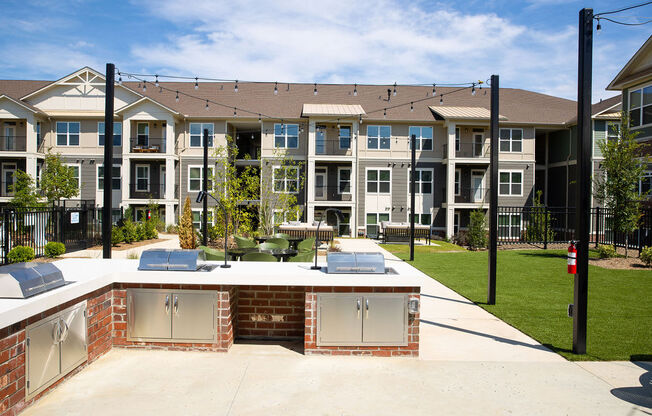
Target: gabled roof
463, 113
142, 100
636, 68
90, 73
332, 110
604, 109
25, 105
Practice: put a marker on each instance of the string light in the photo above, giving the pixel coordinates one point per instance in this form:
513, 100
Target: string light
434, 89
441, 99
196, 83
119, 78
394, 93
315, 90
235, 112
598, 27
276, 88
177, 98
411, 106
206, 104
360, 118
260, 118
156, 81
236, 86
355, 90
144, 86
385, 113
473, 89
338, 123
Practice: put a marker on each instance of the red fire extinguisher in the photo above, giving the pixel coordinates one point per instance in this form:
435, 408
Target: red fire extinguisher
572, 258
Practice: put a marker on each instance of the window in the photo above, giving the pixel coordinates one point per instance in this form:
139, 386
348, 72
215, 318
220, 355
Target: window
344, 180
197, 133
423, 219
345, 137
67, 133
509, 226
195, 178
142, 136
640, 106
39, 139
286, 136
511, 183
115, 177
39, 169
613, 130
344, 224
422, 181
378, 137
423, 137
458, 175
456, 222
457, 139
197, 215
76, 171
286, 179
117, 133
142, 178
281, 216
373, 223
511, 140
645, 183
378, 181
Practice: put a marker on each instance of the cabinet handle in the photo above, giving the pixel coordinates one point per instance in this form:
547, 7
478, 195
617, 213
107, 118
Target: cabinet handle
64, 334
176, 304
366, 305
167, 303
56, 332
358, 305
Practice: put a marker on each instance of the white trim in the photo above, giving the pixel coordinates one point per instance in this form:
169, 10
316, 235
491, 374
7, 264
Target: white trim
323, 172
511, 140
149, 178
201, 176
510, 171
420, 138
456, 215
97, 177
78, 165
211, 216
56, 133
5, 186
475, 134
458, 171
339, 138
366, 190
20, 104
201, 134
417, 184
102, 133
285, 180
379, 137
339, 180
285, 136
143, 99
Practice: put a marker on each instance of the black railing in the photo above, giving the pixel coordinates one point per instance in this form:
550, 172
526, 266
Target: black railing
147, 145
141, 190
334, 147
468, 150
333, 193
472, 195
13, 143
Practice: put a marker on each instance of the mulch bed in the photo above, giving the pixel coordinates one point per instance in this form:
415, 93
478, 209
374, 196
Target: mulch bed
125, 246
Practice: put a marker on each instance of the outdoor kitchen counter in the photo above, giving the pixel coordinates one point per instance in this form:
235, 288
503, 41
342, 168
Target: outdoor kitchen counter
88, 275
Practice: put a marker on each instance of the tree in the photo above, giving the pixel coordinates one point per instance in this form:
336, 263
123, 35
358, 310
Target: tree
25, 193
477, 236
187, 238
540, 222
617, 188
58, 180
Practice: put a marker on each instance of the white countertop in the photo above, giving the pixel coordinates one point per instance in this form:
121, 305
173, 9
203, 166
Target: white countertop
88, 275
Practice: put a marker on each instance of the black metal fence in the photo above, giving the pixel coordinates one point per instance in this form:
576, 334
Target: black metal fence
73, 223
550, 225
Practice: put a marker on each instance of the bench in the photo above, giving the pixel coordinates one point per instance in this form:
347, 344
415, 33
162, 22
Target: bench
401, 232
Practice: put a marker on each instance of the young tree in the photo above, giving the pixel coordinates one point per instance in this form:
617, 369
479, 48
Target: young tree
25, 192
187, 238
540, 222
477, 236
617, 188
58, 180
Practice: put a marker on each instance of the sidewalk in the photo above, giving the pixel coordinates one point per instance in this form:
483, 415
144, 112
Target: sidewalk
171, 241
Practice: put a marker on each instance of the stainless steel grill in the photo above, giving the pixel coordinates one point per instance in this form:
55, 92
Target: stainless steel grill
170, 259
343, 262
22, 280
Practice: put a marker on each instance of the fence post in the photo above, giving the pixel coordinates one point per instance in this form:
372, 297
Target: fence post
545, 232
597, 225
5, 237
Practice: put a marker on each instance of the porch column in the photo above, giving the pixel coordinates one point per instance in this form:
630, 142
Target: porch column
311, 138
30, 166
169, 137
353, 223
169, 179
310, 183
169, 212
450, 180
30, 137
126, 177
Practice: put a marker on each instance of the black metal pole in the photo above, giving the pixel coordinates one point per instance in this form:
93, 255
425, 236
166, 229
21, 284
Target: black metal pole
583, 197
493, 190
108, 161
204, 187
413, 171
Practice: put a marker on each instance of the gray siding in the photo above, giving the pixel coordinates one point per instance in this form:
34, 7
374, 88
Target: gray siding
528, 184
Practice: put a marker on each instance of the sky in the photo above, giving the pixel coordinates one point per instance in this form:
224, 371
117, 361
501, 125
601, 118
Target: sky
531, 44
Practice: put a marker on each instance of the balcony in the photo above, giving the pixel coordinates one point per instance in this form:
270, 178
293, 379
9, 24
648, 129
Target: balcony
147, 145
333, 193
333, 147
145, 190
469, 150
472, 196
13, 143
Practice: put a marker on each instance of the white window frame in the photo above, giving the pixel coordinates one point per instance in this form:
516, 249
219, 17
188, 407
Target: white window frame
286, 180
201, 177
119, 178
510, 226
457, 182
211, 217
418, 183
284, 134
285, 216
419, 138
379, 137
366, 181
510, 171
339, 179
456, 219
78, 165
67, 133
640, 106
510, 140
646, 174
100, 132
457, 139
339, 137
149, 177
211, 137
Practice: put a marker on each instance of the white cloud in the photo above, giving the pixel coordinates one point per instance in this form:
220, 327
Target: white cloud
31, 60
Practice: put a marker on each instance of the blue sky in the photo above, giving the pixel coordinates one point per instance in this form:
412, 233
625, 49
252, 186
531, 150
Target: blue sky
531, 44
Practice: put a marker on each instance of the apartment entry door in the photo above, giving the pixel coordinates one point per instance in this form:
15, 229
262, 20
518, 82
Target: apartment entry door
8, 172
476, 186
321, 183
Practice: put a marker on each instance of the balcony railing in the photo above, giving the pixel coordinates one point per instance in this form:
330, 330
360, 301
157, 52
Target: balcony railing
144, 190
147, 145
469, 150
333, 147
333, 193
13, 143
472, 195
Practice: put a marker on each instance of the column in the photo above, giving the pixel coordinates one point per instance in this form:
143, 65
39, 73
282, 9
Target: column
311, 138
169, 214
450, 180
310, 183
169, 137
30, 136
354, 190
169, 178
126, 176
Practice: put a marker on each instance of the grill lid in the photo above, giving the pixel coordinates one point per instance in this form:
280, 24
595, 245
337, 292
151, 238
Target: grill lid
356, 263
171, 259
22, 280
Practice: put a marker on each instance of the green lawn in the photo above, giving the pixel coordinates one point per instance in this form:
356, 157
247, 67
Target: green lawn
533, 291
405, 248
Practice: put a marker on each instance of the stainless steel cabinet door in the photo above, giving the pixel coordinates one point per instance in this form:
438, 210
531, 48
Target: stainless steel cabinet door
148, 314
385, 319
73, 338
43, 353
339, 319
193, 316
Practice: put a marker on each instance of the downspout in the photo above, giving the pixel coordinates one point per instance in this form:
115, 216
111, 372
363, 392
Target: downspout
357, 178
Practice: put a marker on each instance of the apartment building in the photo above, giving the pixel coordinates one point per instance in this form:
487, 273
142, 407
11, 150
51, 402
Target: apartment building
352, 141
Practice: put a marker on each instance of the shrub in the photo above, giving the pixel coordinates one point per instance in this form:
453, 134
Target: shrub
141, 234
606, 252
20, 254
129, 231
54, 249
461, 238
116, 236
646, 256
132, 255
187, 237
150, 229
477, 236
172, 229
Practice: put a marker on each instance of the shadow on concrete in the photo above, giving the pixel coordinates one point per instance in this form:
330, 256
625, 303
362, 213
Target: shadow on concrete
294, 345
639, 395
494, 337
467, 302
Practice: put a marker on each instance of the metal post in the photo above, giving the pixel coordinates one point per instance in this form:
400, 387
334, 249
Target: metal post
413, 172
6, 237
597, 226
204, 187
583, 201
108, 161
545, 227
493, 186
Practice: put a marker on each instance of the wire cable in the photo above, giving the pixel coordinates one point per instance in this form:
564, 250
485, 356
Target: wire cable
623, 9
624, 23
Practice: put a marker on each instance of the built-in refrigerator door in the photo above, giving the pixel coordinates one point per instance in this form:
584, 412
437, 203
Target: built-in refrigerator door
385, 319
339, 319
42, 354
194, 316
73, 338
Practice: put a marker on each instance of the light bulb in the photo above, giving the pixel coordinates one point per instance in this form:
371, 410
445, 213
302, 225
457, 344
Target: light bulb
196, 84
355, 90
385, 113
144, 86
206, 104
156, 81
434, 90
473, 89
177, 98
441, 99
315, 90
411, 107
394, 93
276, 88
236, 86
